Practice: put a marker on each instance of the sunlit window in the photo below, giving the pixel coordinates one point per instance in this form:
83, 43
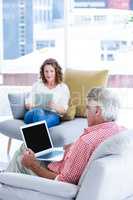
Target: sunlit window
92, 34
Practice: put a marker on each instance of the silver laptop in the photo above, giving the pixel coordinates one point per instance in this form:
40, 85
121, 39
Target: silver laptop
36, 136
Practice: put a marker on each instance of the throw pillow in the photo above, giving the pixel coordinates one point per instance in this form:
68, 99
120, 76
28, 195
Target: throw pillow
81, 111
70, 114
79, 83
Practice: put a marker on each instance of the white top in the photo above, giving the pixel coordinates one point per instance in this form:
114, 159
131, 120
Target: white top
60, 93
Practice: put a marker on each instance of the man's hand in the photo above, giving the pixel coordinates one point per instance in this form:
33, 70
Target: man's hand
28, 158
67, 147
29, 161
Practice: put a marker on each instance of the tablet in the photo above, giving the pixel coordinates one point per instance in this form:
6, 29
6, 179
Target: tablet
42, 100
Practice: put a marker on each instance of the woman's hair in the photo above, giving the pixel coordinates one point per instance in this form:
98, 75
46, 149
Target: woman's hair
56, 66
106, 100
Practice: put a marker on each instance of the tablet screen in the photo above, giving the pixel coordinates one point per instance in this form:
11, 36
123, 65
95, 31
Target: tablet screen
36, 137
42, 100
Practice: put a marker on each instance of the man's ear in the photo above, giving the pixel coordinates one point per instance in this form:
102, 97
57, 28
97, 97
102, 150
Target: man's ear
98, 110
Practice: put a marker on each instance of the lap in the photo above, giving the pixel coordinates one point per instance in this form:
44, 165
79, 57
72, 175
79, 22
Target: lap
16, 166
39, 114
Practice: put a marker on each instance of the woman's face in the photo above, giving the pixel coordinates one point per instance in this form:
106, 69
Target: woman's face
49, 73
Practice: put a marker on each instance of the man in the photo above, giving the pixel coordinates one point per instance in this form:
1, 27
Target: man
102, 110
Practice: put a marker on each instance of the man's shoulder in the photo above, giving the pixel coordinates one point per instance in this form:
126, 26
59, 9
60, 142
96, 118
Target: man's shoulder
101, 132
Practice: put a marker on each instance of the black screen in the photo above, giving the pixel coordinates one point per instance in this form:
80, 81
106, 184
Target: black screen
37, 137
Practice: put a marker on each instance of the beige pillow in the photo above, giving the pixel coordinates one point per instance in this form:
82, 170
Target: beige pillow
80, 111
70, 114
79, 83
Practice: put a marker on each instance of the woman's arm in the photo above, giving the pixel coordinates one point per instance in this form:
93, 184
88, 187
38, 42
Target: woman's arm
29, 100
63, 96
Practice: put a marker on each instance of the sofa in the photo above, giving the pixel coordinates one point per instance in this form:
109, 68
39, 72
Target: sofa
107, 176
74, 121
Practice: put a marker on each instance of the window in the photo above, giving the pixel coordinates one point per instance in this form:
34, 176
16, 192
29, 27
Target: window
90, 3
45, 44
103, 35
78, 32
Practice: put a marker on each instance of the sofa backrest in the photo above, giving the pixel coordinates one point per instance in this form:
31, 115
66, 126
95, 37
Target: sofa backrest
80, 82
115, 145
17, 104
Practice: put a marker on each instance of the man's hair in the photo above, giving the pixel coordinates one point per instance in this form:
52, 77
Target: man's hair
106, 100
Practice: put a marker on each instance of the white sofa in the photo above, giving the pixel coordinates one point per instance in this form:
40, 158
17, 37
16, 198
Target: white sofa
108, 176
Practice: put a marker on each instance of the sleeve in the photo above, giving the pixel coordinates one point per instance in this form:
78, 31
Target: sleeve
65, 96
75, 162
30, 98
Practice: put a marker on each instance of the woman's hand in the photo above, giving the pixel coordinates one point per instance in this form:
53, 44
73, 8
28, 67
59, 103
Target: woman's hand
51, 105
28, 158
55, 107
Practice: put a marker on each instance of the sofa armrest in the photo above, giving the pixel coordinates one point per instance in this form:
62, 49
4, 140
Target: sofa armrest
109, 178
17, 104
43, 185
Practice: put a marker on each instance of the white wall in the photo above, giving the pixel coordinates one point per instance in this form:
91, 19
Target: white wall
1, 30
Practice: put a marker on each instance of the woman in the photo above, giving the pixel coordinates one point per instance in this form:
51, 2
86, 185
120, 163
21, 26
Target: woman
53, 92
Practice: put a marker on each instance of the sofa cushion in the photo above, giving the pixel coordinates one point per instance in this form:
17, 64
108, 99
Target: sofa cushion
17, 103
64, 133
80, 82
67, 131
